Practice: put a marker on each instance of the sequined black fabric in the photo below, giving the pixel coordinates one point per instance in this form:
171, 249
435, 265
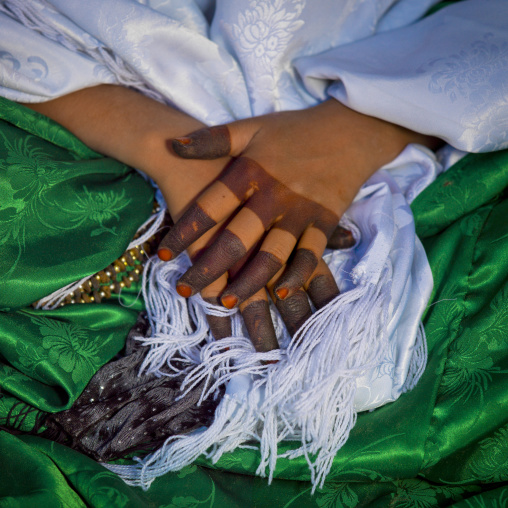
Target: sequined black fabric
120, 412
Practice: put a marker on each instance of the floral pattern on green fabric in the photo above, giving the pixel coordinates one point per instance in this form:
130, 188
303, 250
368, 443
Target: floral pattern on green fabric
489, 463
98, 207
101, 489
413, 493
468, 371
16, 414
45, 128
488, 502
337, 495
70, 347
186, 471
31, 174
31, 358
497, 329
190, 501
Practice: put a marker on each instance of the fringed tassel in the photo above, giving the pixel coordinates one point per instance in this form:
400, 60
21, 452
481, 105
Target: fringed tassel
179, 326
418, 360
315, 387
308, 395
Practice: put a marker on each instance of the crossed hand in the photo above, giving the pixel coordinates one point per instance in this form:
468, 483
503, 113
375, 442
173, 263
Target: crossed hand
260, 229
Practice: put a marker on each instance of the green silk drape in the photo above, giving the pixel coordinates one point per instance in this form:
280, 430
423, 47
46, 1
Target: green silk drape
67, 212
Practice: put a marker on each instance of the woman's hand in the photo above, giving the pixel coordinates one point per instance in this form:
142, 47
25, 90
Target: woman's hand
134, 129
294, 175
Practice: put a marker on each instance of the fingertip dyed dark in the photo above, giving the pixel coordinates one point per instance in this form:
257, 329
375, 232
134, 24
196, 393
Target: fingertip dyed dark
294, 311
209, 143
255, 275
341, 238
297, 273
322, 290
220, 326
258, 321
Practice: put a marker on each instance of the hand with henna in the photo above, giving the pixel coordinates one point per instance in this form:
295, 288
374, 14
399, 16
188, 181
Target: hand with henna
134, 129
293, 175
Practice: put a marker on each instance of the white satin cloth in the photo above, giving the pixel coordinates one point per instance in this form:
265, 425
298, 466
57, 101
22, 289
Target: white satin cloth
445, 75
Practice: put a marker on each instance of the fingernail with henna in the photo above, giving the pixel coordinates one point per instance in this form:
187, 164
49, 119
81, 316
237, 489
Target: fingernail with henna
229, 301
184, 290
165, 254
183, 140
282, 293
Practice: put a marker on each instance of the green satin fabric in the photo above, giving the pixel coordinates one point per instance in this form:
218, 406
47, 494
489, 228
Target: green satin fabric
65, 212
445, 443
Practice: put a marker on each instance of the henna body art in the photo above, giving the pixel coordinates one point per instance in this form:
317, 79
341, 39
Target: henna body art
295, 173
257, 319
220, 326
297, 274
341, 238
273, 203
252, 278
294, 311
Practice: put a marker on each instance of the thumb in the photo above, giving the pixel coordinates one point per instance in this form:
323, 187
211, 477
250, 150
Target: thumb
216, 142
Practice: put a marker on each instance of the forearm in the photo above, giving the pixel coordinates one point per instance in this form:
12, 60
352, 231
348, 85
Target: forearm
134, 129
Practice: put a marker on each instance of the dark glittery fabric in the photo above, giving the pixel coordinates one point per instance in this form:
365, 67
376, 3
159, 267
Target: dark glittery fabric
120, 412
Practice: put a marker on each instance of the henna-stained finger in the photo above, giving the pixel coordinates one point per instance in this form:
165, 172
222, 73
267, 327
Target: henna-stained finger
208, 143
309, 251
231, 246
274, 251
258, 321
211, 207
341, 238
220, 326
294, 310
322, 287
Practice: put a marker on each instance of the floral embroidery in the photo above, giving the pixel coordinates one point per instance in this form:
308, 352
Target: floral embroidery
70, 347
475, 75
264, 31
98, 207
262, 35
413, 494
497, 330
468, 371
31, 175
471, 73
490, 462
37, 66
337, 494
191, 502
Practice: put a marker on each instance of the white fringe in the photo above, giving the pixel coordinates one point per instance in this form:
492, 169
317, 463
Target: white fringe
307, 396
418, 360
